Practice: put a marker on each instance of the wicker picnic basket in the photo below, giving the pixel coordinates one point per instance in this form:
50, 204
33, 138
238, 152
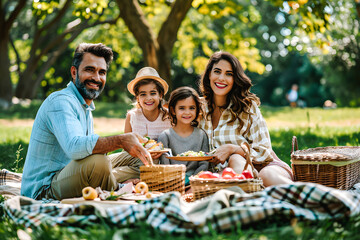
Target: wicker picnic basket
202, 187
164, 178
337, 167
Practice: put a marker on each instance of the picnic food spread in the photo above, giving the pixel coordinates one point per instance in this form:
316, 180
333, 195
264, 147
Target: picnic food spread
89, 193
151, 144
126, 192
142, 188
228, 173
193, 154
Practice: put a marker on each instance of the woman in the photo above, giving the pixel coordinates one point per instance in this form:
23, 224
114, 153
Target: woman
232, 116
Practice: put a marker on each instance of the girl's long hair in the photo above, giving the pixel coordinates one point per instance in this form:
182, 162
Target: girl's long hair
161, 91
182, 93
240, 95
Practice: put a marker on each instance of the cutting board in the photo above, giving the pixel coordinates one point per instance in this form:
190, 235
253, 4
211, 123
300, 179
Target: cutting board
97, 201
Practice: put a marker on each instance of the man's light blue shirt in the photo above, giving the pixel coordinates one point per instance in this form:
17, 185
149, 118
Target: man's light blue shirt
63, 131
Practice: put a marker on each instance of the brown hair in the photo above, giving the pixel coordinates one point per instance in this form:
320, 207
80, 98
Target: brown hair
159, 88
180, 94
240, 95
97, 49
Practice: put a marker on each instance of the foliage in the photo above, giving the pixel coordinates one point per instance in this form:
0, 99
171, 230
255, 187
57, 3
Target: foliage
328, 32
274, 41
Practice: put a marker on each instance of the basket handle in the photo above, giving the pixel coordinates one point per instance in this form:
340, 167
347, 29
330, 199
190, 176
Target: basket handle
294, 144
246, 147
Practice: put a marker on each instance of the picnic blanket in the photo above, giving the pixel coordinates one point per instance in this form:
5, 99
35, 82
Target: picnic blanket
10, 183
220, 212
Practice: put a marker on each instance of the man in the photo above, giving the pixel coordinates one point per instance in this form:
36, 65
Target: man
64, 154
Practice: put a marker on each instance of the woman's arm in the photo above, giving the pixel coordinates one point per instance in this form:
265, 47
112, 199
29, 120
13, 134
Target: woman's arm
225, 151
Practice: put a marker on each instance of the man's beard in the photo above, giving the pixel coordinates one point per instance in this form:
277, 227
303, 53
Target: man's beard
88, 93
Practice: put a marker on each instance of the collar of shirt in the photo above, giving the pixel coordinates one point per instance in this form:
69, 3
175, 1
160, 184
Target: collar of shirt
74, 89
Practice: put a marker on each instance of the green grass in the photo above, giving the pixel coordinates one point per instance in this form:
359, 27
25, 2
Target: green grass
313, 127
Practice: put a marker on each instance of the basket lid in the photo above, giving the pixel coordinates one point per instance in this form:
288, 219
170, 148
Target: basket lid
338, 153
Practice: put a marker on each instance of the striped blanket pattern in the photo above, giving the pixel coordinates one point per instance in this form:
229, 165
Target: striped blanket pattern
221, 212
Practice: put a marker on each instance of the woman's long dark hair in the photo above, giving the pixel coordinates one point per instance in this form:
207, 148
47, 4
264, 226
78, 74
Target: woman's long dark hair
182, 93
159, 88
240, 95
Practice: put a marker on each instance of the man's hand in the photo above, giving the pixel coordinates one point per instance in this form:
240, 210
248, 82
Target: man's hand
131, 142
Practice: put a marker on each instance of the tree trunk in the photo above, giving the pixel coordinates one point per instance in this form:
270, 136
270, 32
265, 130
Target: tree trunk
156, 51
26, 87
6, 21
357, 5
6, 91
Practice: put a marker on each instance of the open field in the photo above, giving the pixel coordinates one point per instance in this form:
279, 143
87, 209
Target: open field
313, 127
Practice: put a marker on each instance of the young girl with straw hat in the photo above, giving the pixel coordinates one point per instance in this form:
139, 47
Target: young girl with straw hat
149, 117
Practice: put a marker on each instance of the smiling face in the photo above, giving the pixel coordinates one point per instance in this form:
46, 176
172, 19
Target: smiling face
185, 111
148, 97
90, 77
221, 79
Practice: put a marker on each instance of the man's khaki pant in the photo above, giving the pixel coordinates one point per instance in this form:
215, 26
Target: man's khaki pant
96, 171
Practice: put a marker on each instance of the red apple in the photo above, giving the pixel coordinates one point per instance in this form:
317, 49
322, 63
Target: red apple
240, 176
216, 175
228, 171
227, 176
206, 174
247, 174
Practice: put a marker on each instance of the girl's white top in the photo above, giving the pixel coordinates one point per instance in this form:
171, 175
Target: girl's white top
142, 126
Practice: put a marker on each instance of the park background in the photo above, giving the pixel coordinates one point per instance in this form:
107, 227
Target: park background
314, 44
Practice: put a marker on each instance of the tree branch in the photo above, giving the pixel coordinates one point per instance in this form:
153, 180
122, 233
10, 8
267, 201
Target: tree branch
18, 59
134, 19
58, 16
8, 23
168, 32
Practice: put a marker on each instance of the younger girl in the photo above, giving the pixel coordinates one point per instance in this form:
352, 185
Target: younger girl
184, 110
149, 117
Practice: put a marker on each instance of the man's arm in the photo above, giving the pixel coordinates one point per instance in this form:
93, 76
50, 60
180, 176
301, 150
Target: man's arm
130, 142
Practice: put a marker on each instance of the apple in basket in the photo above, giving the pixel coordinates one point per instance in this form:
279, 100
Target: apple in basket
247, 174
207, 174
228, 171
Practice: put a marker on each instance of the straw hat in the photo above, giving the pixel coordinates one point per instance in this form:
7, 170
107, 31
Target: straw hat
147, 73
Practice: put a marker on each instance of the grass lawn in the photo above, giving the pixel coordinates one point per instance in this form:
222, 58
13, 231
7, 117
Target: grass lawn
313, 127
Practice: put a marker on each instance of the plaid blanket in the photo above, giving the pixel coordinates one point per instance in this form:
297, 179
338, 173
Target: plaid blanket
222, 211
10, 183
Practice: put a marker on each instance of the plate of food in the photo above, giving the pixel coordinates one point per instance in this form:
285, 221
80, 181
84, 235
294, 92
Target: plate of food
160, 151
204, 158
139, 196
191, 156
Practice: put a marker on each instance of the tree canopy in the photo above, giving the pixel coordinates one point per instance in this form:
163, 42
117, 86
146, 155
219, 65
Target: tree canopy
312, 43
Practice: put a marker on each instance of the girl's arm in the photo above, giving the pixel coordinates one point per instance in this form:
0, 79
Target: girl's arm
127, 124
164, 139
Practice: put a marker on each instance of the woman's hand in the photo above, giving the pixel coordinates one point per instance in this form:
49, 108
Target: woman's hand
155, 155
223, 153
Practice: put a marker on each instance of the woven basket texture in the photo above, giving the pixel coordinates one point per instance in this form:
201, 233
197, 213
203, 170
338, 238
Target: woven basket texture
204, 187
164, 178
337, 167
